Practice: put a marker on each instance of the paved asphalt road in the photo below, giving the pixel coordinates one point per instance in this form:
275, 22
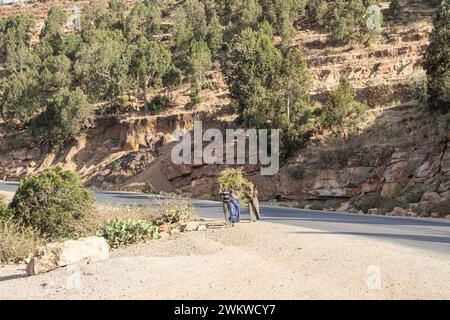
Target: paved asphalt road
423, 233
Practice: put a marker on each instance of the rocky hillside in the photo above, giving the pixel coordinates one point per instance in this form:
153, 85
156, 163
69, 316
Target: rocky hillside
400, 147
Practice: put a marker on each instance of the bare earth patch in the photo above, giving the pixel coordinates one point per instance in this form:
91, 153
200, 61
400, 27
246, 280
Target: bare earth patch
250, 261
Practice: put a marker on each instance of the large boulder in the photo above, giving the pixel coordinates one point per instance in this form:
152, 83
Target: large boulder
432, 197
60, 254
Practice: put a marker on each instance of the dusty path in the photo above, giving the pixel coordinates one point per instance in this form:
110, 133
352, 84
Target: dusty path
251, 261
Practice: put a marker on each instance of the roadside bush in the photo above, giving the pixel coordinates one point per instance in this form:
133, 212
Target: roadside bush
175, 211
442, 208
120, 233
3, 202
296, 172
149, 188
17, 243
52, 202
375, 200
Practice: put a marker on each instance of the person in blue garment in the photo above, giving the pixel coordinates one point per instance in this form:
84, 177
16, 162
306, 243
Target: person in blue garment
234, 206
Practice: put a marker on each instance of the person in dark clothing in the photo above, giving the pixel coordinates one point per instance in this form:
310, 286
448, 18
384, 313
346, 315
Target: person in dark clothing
253, 203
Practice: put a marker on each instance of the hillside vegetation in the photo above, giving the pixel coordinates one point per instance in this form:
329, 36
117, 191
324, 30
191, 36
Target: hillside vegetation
99, 86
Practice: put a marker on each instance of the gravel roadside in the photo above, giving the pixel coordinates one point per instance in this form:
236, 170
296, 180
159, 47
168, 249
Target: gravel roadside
250, 261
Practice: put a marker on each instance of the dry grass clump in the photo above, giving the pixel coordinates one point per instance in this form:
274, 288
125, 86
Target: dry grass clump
158, 212
17, 243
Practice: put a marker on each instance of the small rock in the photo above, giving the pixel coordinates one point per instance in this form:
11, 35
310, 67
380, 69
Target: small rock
175, 231
360, 212
373, 211
308, 207
201, 227
412, 214
20, 154
189, 226
432, 197
400, 211
344, 207
435, 215
164, 235
165, 228
352, 210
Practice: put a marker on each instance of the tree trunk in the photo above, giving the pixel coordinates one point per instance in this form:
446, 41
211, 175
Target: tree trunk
144, 90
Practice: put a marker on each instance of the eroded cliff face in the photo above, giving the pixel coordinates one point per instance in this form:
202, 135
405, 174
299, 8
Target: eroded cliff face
400, 147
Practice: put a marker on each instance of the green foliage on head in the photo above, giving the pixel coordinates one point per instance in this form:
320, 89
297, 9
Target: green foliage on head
230, 178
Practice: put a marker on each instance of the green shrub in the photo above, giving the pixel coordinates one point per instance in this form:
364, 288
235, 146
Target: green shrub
343, 113
159, 103
296, 172
207, 85
5, 213
194, 98
443, 208
318, 10
17, 243
120, 233
148, 188
395, 9
348, 21
3, 201
175, 211
52, 202
375, 200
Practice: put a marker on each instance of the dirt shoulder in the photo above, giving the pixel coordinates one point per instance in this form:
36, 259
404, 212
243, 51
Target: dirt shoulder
250, 261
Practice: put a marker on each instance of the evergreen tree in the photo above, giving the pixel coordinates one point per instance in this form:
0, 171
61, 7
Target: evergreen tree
20, 96
199, 60
55, 74
143, 20
101, 69
150, 60
253, 67
343, 113
66, 114
437, 60
171, 79
214, 35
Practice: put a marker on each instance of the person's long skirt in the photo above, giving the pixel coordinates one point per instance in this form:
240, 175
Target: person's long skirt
235, 210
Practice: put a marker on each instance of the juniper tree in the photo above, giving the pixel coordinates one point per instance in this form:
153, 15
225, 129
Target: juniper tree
437, 60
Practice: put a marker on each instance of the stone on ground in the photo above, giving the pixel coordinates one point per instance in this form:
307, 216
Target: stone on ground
61, 254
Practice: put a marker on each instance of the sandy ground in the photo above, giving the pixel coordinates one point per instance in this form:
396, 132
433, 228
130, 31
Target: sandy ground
250, 261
